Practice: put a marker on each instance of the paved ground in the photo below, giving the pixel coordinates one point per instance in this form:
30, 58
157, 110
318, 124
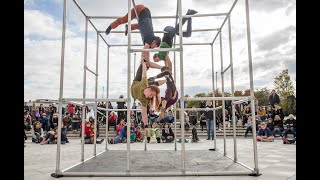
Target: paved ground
276, 160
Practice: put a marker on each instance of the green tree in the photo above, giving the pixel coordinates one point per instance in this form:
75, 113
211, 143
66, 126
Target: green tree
283, 84
195, 103
262, 96
238, 93
284, 88
246, 92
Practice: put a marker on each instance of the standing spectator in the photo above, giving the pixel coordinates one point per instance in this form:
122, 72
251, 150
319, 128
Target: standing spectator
209, 119
202, 121
274, 98
193, 117
71, 109
121, 114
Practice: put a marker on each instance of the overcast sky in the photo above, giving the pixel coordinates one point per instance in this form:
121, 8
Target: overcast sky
273, 40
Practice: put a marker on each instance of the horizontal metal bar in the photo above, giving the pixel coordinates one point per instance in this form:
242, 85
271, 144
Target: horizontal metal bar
95, 99
91, 71
105, 109
195, 30
155, 50
154, 174
241, 101
217, 98
162, 17
75, 103
200, 109
226, 69
125, 45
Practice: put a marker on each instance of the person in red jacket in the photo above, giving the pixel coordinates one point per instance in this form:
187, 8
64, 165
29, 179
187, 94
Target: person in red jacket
71, 109
112, 120
139, 135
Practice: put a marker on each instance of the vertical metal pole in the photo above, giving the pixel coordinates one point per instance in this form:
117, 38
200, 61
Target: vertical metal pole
255, 151
175, 77
232, 93
183, 153
107, 103
223, 102
128, 89
63, 39
96, 96
84, 83
82, 132
214, 102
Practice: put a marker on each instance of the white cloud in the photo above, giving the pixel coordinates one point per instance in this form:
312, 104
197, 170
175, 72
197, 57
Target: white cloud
44, 25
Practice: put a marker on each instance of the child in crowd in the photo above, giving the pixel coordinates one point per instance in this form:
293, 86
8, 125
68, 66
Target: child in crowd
153, 134
264, 134
139, 135
37, 132
167, 134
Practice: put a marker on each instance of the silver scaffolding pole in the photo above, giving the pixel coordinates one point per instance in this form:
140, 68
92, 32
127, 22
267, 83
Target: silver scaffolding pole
214, 102
95, 103
175, 104
63, 39
232, 93
84, 86
107, 102
255, 151
223, 102
183, 152
128, 88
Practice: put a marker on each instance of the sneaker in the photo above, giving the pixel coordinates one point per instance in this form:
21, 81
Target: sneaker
99, 142
212, 138
164, 68
208, 139
108, 30
191, 12
111, 141
126, 31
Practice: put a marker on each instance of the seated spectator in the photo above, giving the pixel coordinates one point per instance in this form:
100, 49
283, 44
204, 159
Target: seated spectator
261, 114
45, 122
50, 137
290, 125
152, 117
193, 117
270, 124
123, 135
76, 122
278, 111
37, 132
246, 113
249, 126
264, 134
27, 121
153, 134
278, 126
54, 121
112, 120
37, 114
139, 135
67, 121
93, 133
186, 122
169, 117
120, 126
167, 134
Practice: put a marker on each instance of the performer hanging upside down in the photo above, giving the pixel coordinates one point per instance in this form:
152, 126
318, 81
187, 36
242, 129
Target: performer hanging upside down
145, 26
171, 94
141, 90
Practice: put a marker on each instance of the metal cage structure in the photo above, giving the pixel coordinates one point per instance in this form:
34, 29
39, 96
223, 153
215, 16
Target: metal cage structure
235, 100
